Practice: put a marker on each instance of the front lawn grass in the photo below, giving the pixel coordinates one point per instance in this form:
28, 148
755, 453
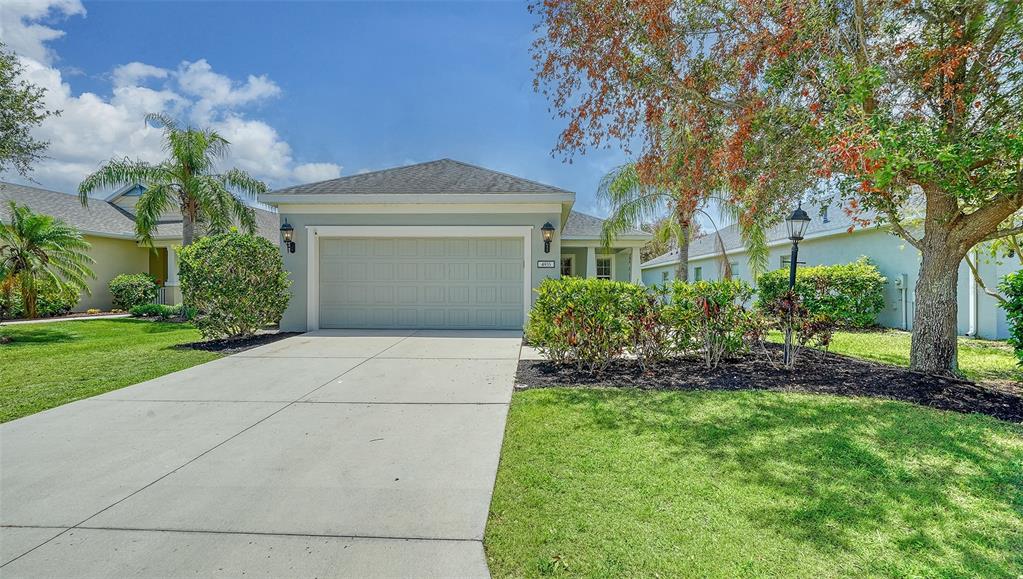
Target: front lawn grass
49, 364
979, 360
627, 483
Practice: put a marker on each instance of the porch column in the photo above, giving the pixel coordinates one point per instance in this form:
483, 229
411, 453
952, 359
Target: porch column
591, 262
635, 274
172, 267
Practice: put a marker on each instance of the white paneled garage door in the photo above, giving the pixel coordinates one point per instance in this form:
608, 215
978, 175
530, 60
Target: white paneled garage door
433, 282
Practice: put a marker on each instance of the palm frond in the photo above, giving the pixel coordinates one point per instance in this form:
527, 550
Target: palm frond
155, 201
118, 173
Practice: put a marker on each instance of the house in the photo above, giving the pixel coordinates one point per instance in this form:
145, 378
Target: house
108, 224
441, 244
833, 238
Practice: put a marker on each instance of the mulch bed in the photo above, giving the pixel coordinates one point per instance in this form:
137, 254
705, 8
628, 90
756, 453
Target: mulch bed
235, 346
815, 373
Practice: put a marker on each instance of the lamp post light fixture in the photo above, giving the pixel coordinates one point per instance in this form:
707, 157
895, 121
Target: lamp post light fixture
288, 234
796, 225
548, 235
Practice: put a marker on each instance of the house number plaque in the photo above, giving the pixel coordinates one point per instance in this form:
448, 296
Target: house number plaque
545, 264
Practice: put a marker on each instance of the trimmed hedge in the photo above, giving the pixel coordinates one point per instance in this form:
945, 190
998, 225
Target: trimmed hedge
854, 293
133, 289
235, 283
161, 311
585, 321
1012, 287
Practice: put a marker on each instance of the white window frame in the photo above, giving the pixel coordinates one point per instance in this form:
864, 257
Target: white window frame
611, 266
697, 273
316, 232
571, 265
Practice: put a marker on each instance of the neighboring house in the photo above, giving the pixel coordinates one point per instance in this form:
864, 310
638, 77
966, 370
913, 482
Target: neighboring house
435, 245
109, 225
828, 241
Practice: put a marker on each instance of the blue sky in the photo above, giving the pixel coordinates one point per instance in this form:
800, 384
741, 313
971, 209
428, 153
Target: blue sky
360, 85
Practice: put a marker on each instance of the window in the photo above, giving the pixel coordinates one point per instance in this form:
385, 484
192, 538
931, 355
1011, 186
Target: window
785, 260
733, 266
567, 265
604, 270
664, 275
697, 274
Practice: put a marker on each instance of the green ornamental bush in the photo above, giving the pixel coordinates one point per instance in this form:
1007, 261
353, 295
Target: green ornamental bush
235, 283
161, 311
712, 316
133, 289
52, 300
583, 321
1012, 288
854, 293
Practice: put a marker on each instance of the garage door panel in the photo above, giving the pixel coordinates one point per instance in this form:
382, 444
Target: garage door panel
421, 283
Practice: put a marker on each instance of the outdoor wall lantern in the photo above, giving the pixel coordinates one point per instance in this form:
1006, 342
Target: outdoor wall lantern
288, 233
548, 235
796, 225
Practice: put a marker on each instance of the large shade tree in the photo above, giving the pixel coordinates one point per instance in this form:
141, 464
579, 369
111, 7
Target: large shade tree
22, 108
891, 101
189, 181
36, 247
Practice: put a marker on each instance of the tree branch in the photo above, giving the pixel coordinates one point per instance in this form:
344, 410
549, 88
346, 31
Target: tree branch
903, 233
1003, 233
980, 281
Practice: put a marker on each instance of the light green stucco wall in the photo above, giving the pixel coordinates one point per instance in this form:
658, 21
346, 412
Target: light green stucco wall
295, 317
112, 257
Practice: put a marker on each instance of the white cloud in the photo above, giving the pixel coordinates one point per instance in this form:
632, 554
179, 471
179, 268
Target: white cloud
130, 74
24, 29
93, 128
311, 172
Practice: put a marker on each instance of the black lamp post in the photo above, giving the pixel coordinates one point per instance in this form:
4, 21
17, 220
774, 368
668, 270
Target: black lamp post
548, 235
288, 234
796, 225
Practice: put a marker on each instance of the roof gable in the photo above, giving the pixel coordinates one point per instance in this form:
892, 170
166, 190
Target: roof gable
444, 176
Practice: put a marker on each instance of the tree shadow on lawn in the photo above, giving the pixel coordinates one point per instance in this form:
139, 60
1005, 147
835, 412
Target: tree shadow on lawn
42, 335
848, 473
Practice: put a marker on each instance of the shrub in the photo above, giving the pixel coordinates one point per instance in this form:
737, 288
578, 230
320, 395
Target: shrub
585, 321
51, 299
854, 291
133, 289
715, 314
1012, 287
156, 311
235, 283
799, 325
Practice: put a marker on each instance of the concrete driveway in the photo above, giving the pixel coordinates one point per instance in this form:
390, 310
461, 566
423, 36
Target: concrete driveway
333, 453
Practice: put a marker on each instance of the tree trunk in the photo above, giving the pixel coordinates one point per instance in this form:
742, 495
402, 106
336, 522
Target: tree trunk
28, 294
682, 269
935, 319
187, 229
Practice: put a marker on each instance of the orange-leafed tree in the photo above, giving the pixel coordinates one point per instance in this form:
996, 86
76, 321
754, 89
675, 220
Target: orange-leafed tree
887, 100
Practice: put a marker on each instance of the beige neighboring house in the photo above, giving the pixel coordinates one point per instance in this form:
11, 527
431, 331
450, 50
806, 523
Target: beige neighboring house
109, 225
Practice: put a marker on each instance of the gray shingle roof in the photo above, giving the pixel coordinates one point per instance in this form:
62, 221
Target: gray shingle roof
707, 244
581, 225
436, 177
102, 218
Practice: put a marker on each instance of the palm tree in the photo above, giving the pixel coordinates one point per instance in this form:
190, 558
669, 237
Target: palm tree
187, 181
633, 201
37, 247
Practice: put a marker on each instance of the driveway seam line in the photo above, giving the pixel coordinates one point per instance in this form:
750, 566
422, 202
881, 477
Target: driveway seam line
197, 457
258, 533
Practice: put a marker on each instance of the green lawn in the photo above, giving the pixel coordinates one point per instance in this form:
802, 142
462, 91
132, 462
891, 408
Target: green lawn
625, 483
979, 360
50, 364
